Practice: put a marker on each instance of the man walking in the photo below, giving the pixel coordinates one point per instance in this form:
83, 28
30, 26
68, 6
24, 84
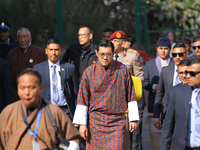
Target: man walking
106, 91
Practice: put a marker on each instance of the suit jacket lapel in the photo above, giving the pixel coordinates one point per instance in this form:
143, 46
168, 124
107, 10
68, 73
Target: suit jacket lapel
62, 74
155, 67
47, 79
187, 100
171, 73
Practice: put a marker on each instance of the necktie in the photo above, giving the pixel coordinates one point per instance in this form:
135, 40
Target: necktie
116, 56
55, 85
197, 118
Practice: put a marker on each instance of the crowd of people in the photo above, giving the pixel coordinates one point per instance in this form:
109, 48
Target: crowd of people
87, 100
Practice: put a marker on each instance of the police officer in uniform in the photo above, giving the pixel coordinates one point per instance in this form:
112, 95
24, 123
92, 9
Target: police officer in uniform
6, 44
130, 58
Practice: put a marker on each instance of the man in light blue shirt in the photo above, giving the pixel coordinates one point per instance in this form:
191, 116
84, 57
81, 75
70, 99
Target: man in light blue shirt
181, 130
59, 79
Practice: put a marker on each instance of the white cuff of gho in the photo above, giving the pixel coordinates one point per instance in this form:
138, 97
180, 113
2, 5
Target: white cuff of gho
133, 111
80, 115
73, 146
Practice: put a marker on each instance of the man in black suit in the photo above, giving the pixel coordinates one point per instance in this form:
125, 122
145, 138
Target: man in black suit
168, 78
59, 79
182, 121
82, 54
6, 88
152, 72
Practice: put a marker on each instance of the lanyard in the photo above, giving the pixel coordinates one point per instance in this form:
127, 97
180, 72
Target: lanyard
37, 125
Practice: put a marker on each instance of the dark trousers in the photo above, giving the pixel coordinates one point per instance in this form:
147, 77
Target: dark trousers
66, 110
187, 148
135, 137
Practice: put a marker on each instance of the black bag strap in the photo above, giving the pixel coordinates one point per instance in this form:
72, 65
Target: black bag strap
53, 123
25, 120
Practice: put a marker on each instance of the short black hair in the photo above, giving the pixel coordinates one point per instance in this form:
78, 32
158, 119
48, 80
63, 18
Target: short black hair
130, 39
196, 39
53, 40
185, 62
30, 71
89, 28
180, 45
105, 43
108, 30
185, 40
195, 60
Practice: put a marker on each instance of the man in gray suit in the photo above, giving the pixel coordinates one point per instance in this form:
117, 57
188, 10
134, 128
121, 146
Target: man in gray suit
181, 126
59, 79
168, 78
152, 72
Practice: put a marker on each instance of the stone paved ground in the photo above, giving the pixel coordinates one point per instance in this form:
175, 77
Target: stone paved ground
145, 133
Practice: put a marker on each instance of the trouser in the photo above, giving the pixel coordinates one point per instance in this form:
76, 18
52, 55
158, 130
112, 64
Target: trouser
135, 137
187, 148
66, 110
127, 135
154, 134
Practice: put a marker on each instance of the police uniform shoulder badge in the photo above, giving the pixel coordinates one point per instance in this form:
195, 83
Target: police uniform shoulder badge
132, 50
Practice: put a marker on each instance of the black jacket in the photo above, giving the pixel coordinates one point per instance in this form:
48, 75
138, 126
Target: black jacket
73, 55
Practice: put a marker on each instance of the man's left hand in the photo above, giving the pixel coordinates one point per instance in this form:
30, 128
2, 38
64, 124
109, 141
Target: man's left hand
133, 125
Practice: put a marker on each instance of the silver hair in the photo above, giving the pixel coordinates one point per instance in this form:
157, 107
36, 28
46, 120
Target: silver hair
25, 29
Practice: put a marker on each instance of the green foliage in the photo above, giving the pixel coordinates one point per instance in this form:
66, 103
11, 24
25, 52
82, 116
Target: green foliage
40, 16
173, 14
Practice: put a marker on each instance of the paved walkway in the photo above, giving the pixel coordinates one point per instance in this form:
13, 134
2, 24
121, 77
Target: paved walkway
145, 133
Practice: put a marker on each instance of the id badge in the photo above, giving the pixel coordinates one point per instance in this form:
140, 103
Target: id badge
36, 145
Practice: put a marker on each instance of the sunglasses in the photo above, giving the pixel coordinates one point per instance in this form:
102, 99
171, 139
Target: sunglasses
179, 54
192, 73
194, 47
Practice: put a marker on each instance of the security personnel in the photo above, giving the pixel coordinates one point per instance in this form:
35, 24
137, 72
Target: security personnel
5, 43
129, 57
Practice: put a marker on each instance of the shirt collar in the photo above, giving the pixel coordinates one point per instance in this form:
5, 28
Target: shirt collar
7, 42
27, 47
51, 65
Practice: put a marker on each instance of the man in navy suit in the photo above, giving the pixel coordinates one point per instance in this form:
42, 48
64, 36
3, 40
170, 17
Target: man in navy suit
59, 79
181, 126
168, 78
6, 88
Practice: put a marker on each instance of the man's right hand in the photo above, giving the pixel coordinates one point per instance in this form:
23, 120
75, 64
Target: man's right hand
157, 124
83, 131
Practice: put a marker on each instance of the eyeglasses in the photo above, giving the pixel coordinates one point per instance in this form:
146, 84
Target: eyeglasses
179, 54
82, 35
103, 54
194, 47
192, 73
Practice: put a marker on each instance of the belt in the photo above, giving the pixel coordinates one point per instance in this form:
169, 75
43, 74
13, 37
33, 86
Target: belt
195, 148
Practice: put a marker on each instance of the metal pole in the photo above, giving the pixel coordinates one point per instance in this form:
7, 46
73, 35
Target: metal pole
137, 23
59, 21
